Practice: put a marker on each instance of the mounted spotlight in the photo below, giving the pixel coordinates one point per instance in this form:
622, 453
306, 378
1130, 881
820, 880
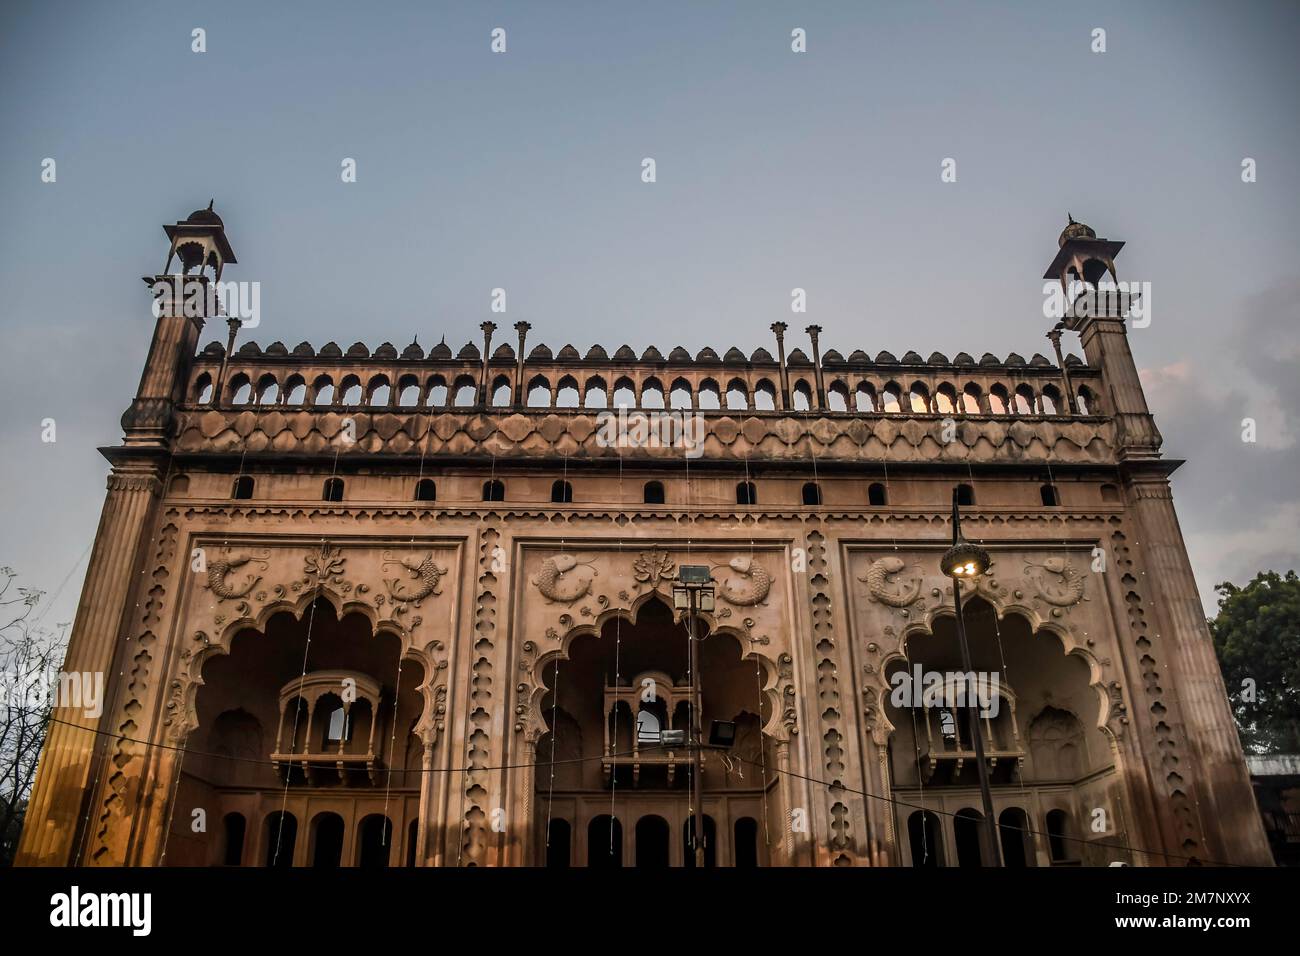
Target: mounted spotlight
693, 578
672, 738
694, 574
722, 733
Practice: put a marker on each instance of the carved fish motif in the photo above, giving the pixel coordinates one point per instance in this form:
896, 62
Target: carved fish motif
423, 570
878, 583
217, 571
557, 584
753, 590
1068, 591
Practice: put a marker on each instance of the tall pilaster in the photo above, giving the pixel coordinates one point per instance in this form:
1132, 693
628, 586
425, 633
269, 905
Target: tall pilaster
58, 810
63, 778
1211, 770
1218, 772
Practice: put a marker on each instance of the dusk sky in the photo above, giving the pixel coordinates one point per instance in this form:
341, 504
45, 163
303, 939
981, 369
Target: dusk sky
775, 170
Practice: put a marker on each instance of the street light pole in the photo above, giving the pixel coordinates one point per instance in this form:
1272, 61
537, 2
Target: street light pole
692, 593
697, 799
990, 830
966, 560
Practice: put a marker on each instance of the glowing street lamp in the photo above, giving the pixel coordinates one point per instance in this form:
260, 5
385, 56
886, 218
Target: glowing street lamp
960, 562
963, 559
693, 592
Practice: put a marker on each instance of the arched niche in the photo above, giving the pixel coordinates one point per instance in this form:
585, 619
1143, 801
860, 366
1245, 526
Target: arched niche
260, 729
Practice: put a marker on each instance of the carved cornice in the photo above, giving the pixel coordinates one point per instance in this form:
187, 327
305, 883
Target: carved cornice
537, 436
134, 482
1153, 489
866, 516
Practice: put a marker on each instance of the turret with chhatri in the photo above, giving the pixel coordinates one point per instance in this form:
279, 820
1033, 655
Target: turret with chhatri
182, 302
1083, 256
200, 242
1099, 320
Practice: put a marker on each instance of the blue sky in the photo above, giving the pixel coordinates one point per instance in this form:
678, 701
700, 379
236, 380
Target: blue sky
775, 170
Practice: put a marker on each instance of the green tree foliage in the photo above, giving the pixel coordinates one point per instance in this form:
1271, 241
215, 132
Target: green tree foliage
1257, 638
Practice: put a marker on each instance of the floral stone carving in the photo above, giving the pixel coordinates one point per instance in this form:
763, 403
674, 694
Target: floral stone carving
653, 567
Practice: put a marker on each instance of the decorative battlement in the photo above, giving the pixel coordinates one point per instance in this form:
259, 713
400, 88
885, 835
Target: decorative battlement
570, 381
507, 400
845, 411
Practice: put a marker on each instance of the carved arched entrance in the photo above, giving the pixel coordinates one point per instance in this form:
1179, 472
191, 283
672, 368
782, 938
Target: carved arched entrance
282, 725
609, 700
1042, 719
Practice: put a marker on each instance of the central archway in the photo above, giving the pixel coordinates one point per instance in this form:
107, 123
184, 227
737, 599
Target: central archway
608, 761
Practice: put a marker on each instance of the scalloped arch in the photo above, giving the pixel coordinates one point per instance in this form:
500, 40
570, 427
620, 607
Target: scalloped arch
182, 717
773, 728
1036, 622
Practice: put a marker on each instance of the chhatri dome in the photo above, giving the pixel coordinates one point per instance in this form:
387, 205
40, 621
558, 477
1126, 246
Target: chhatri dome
1075, 230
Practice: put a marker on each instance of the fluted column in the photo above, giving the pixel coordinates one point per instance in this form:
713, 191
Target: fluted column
164, 378
218, 387
68, 757
279, 729
1218, 771
786, 856
524, 825
892, 854
426, 801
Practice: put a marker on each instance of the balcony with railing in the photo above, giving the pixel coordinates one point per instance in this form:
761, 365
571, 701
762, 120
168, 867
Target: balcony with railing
947, 746
329, 721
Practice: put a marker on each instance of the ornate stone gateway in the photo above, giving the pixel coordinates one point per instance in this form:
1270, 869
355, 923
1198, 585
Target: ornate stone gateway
603, 686
390, 607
